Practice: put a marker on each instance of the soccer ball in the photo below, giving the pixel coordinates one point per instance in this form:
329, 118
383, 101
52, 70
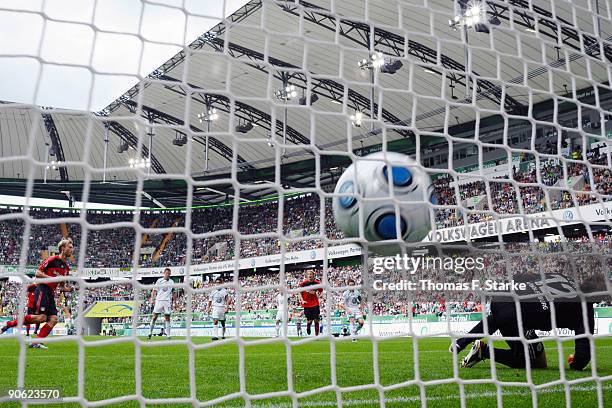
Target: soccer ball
369, 179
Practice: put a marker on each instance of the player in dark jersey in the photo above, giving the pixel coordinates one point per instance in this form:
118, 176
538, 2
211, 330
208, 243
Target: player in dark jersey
535, 305
310, 302
45, 310
31, 289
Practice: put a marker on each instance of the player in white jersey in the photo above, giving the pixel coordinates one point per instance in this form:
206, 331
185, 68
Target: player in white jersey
68, 323
163, 296
297, 318
281, 311
219, 300
352, 305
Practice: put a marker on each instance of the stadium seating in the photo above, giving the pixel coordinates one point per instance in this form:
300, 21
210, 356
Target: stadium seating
383, 303
111, 245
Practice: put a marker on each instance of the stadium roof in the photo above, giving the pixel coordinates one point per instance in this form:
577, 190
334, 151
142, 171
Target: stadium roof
237, 67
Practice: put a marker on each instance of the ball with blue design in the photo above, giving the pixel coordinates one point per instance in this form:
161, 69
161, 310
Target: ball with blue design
365, 186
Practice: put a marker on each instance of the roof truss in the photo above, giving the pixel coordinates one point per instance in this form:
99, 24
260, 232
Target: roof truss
56, 142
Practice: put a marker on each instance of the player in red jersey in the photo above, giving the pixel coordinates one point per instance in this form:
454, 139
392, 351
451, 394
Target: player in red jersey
45, 310
30, 289
31, 310
310, 302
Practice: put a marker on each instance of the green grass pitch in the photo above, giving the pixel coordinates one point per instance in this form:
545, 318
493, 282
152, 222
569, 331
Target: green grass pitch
109, 372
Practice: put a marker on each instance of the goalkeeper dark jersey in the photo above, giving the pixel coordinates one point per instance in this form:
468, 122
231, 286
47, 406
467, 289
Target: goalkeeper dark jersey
535, 306
570, 311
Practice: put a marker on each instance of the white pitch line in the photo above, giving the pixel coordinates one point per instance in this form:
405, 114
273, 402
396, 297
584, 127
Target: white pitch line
416, 398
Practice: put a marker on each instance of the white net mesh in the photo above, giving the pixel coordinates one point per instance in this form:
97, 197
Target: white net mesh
230, 152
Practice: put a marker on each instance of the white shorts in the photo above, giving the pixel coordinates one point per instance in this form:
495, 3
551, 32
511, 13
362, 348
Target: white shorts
218, 312
162, 306
355, 313
281, 315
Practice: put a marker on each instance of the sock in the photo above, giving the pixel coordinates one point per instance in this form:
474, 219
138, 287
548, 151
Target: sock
308, 327
352, 329
151, 327
485, 350
167, 325
359, 326
216, 330
508, 357
277, 328
27, 329
223, 328
27, 319
316, 328
478, 329
44, 332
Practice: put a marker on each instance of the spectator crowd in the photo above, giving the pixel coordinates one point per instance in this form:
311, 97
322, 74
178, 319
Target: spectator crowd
256, 292
307, 221
167, 237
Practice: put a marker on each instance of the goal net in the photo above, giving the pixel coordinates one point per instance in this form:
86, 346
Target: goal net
218, 167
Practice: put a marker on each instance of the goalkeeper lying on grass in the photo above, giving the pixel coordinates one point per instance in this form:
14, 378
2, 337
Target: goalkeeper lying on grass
573, 310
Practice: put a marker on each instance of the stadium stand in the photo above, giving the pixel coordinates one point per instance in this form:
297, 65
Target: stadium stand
113, 247
262, 302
